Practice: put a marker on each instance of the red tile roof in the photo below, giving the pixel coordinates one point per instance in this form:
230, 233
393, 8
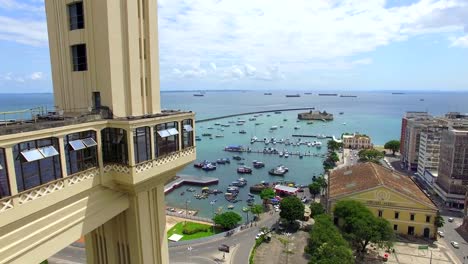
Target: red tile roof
365, 176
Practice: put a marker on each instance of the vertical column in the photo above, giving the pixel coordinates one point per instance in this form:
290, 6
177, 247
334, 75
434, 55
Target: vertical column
180, 128
153, 140
100, 155
63, 160
131, 147
10, 167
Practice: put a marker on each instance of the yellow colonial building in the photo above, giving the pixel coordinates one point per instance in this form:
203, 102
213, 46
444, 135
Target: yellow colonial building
96, 165
388, 194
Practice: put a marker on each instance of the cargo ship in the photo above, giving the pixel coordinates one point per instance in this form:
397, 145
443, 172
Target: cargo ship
327, 94
293, 95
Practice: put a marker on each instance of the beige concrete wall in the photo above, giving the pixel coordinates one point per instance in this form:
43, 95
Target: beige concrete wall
116, 32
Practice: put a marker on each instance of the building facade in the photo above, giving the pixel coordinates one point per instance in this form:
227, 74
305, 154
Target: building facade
404, 123
95, 167
428, 155
452, 180
414, 123
388, 194
357, 141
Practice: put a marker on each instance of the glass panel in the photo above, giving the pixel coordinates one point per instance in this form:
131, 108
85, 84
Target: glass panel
32, 155
173, 131
4, 180
89, 142
188, 128
48, 151
164, 133
76, 144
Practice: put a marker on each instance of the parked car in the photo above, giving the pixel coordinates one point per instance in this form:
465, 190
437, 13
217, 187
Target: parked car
223, 248
441, 233
450, 219
455, 244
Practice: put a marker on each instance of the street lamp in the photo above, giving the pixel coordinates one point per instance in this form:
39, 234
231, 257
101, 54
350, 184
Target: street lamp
212, 212
189, 252
186, 210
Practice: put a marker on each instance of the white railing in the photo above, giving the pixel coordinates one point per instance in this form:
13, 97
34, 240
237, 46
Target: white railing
164, 159
43, 190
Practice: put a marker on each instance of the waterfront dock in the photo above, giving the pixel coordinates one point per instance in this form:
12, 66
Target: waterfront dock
273, 152
190, 180
312, 136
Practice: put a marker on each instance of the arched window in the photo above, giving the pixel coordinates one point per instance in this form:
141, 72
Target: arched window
4, 181
37, 162
187, 134
167, 138
80, 151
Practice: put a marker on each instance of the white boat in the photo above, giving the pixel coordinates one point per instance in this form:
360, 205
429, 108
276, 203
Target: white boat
219, 136
281, 154
254, 138
273, 127
344, 123
286, 155
297, 127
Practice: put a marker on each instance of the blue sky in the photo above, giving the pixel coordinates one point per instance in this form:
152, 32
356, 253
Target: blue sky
273, 44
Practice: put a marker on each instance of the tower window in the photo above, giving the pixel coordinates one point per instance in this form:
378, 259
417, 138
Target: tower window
76, 15
79, 57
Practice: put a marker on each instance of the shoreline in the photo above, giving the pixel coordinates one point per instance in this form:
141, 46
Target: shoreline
256, 112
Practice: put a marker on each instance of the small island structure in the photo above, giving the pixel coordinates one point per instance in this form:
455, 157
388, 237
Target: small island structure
315, 115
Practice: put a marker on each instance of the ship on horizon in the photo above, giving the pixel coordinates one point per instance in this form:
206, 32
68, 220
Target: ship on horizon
344, 95
293, 95
327, 94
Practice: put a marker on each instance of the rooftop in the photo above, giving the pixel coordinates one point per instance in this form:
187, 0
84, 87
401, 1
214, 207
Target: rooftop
365, 176
55, 119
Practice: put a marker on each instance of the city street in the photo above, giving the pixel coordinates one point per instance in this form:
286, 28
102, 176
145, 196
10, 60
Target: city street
240, 245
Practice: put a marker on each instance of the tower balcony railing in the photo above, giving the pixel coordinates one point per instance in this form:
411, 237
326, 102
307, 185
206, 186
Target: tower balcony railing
19, 199
131, 174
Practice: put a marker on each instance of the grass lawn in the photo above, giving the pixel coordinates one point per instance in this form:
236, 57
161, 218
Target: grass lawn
178, 228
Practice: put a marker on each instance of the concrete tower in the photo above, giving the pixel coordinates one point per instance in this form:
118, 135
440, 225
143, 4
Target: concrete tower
97, 167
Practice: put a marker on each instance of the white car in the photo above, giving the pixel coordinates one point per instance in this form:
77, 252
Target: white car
455, 244
441, 233
450, 219
277, 209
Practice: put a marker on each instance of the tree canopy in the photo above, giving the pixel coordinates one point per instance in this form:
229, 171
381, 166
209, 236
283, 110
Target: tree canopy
267, 194
372, 155
256, 209
360, 226
326, 245
227, 220
291, 208
315, 188
334, 145
316, 209
439, 220
393, 145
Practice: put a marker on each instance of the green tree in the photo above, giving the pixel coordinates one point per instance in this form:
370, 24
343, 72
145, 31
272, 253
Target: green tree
267, 194
372, 155
315, 188
393, 145
316, 209
322, 182
291, 208
256, 209
227, 220
334, 157
360, 226
439, 220
326, 245
334, 145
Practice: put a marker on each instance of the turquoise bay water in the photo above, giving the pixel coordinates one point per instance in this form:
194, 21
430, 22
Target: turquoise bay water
377, 114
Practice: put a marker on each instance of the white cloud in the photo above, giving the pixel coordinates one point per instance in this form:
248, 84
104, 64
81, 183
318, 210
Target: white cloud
303, 35
36, 76
460, 42
213, 66
27, 32
11, 5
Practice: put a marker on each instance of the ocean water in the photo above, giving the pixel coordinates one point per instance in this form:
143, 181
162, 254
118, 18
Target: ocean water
377, 114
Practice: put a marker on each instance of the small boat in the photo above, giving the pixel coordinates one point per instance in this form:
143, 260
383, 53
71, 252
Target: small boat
344, 123
286, 155
341, 113
206, 135
209, 167
197, 138
217, 124
244, 170
219, 136
190, 189
210, 128
182, 193
267, 94
252, 119
297, 127
198, 94
285, 119
250, 195
236, 157
281, 154
230, 207
242, 132
310, 122
258, 164
277, 112
278, 171
273, 127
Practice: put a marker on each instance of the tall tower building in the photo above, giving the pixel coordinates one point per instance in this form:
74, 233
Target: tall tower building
97, 166
104, 54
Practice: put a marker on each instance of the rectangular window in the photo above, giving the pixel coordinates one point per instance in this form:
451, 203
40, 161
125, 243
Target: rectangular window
76, 15
114, 145
79, 60
397, 215
142, 144
428, 218
412, 217
37, 162
395, 227
4, 181
167, 138
380, 213
80, 151
187, 135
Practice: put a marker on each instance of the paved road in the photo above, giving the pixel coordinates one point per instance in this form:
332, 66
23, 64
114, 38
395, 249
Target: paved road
452, 235
241, 243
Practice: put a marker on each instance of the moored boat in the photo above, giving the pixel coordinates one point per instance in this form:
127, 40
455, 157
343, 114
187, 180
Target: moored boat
244, 170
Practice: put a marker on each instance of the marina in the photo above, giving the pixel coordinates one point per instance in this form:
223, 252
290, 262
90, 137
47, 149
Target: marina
189, 180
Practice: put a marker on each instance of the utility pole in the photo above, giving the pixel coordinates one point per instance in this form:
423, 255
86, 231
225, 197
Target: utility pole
212, 213
186, 210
